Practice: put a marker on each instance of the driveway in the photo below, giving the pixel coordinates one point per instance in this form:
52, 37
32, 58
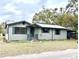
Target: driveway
66, 54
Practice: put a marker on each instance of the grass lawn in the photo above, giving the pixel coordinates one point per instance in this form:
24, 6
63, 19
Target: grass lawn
18, 48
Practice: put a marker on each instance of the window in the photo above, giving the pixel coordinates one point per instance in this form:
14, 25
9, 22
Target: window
19, 30
45, 30
57, 31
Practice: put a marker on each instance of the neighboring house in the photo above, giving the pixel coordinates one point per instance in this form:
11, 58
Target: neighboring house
24, 30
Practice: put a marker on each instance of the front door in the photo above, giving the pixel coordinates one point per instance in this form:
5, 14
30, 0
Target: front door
32, 30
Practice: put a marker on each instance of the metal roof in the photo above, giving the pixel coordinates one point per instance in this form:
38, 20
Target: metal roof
50, 26
39, 24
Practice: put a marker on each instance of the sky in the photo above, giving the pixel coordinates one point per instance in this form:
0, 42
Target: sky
15, 10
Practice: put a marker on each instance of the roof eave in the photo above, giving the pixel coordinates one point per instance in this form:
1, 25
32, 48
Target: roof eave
18, 22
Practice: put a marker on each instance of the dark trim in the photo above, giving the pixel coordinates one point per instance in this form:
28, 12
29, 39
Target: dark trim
50, 28
19, 22
33, 25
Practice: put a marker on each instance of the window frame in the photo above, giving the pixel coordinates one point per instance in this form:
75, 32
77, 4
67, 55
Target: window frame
43, 30
57, 31
19, 30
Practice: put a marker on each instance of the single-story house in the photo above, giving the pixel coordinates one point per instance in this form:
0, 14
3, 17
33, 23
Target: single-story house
23, 30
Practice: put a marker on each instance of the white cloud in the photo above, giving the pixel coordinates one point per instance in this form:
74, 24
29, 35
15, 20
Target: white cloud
11, 8
30, 17
29, 7
49, 4
28, 1
4, 18
1, 20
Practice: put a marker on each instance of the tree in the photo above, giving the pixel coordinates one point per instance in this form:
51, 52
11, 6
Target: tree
67, 17
72, 7
68, 20
1, 29
45, 16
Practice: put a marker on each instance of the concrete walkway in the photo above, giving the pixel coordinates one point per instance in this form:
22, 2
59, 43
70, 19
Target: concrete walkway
66, 54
